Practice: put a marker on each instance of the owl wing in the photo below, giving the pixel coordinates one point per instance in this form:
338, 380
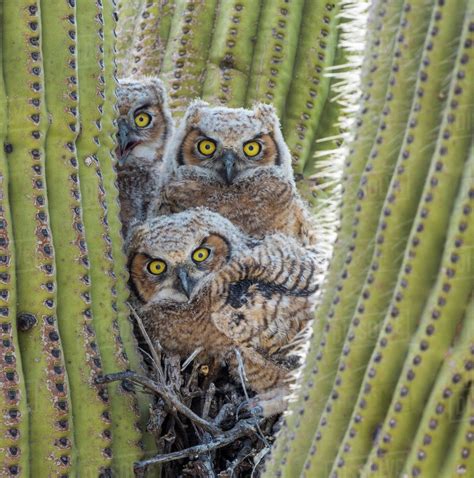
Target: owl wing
263, 298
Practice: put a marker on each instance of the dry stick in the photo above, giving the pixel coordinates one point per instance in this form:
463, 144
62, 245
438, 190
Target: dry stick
154, 355
242, 428
171, 400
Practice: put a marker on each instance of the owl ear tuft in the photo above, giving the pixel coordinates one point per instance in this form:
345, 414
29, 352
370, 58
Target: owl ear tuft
267, 115
193, 113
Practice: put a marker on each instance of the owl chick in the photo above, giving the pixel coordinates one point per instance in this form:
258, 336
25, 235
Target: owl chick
202, 283
234, 161
144, 126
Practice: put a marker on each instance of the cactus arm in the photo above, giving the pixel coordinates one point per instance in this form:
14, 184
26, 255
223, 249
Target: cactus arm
14, 443
402, 199
107, 161
91, 27
184, 63
51, 434
275, 52
229, 64
441, 417
438, 324
127, 11
418, 270
91, 430
309, 87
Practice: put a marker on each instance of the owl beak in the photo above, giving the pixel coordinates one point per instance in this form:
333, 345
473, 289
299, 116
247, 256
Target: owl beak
229, 158
124, 142
185, 283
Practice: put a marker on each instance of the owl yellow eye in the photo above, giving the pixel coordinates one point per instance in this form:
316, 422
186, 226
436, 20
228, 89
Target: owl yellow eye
156, 267
201, 254
206, 147
252, 148
142, 120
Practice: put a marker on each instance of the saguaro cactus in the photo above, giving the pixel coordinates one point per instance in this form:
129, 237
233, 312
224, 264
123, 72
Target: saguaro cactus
401, 276
62, 265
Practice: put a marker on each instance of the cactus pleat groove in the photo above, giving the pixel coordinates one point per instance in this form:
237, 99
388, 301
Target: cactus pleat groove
309, 82
14, 443
450, 397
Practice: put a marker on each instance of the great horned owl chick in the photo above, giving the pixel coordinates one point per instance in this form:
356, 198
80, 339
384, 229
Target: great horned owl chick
144, 127
202, 283
234, 161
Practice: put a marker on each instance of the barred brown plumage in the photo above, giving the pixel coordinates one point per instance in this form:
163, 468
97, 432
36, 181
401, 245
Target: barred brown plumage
247, 296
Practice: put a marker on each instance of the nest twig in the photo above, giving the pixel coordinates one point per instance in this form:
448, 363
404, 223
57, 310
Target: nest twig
194, 417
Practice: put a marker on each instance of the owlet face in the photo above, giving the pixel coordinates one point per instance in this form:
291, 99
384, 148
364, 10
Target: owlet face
170, 257
230, 141
145, 122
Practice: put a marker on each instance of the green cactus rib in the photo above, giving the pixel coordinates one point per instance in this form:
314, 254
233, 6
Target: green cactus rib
443, 411
184, 63
393, 230
437, 328
309, 87
147, 48
14, 443
107, 160
51, 434
91, 430
229, 63
275, 52
382, 161
90, 34
128, 11
416, 276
